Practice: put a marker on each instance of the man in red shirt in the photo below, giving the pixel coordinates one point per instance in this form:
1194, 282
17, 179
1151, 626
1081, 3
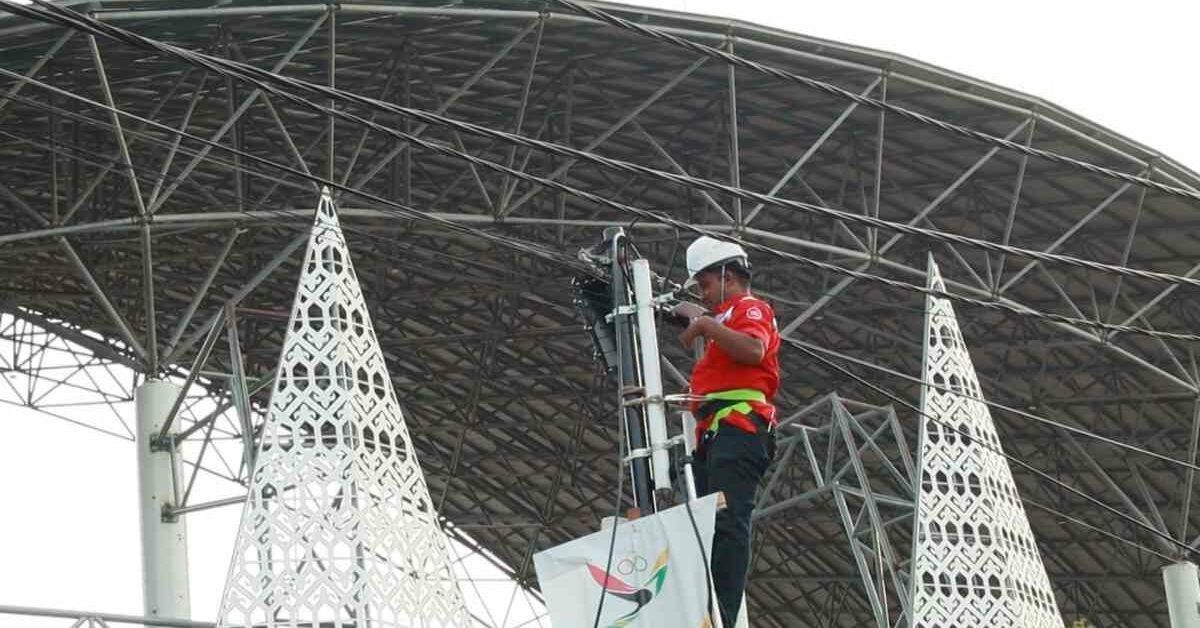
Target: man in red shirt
737, 377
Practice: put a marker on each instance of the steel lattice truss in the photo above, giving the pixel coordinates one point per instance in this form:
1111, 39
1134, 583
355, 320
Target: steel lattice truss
515, 429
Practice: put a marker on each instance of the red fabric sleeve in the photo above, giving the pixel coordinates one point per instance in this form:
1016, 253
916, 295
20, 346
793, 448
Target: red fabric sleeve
754, 317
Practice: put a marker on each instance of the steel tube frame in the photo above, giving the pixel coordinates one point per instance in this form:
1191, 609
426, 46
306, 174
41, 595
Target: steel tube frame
803, 159
929, 207
136, 192
234, 117
1038, 109
282, 256
301, 216
1132, 349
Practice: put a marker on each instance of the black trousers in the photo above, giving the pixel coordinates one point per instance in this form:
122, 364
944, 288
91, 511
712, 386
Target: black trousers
733, 461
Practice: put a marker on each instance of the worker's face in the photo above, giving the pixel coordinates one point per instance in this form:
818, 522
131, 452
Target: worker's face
710, 284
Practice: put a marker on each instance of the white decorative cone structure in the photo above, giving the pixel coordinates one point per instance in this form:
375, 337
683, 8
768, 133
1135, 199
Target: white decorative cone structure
975, 562
338, 528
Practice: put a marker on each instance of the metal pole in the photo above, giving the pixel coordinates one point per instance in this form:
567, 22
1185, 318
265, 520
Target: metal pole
164, 542
635, 429
1183, 594
656, 415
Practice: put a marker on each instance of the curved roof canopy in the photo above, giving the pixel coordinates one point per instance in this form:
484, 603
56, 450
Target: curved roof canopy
515, 424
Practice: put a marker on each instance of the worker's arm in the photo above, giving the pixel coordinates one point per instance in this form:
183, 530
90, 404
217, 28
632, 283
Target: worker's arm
740, 346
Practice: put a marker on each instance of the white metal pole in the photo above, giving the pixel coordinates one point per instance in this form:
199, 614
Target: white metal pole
164, 543
689, 447
656, 414
1183, 594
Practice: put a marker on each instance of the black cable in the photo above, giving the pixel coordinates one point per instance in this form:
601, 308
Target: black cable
248, 73
1013, 410
770, 200
388, 206
681, 476
285, 215
273, 164
223, 67
687, 502
1084, 524
1037, 472
612, 541
760, 68
1020, 413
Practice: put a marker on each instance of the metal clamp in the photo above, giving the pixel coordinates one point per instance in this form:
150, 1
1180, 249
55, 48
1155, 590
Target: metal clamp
622, 310
644, 401
646, 452
160, 443
640, 452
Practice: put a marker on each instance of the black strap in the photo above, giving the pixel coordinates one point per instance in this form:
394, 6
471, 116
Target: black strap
761, 422
713, 406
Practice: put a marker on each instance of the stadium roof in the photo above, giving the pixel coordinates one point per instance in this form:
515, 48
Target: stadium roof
513, 419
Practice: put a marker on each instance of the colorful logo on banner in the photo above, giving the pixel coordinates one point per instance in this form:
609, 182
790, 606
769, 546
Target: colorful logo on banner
639, 595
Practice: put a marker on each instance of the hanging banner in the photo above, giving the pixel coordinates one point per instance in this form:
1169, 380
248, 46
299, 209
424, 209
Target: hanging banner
656, 577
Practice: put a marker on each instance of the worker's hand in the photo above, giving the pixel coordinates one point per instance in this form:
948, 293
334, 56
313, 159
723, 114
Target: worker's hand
688, 311
700, 327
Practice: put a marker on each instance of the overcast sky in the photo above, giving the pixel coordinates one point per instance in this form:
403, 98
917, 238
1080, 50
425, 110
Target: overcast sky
68, 529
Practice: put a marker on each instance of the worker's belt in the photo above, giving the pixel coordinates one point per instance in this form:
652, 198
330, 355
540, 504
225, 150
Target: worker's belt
722, 403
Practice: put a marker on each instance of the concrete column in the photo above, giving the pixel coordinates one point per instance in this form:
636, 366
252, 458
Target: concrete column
1183, 594
164, 543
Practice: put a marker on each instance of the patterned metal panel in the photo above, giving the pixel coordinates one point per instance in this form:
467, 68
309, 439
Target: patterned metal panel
338, 528
975, 562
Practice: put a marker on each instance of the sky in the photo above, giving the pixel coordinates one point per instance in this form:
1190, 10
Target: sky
68, 526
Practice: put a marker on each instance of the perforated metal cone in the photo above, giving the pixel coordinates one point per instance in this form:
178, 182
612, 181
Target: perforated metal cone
338, 526
975, 562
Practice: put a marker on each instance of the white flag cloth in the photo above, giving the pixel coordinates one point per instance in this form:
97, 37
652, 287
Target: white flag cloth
656, 578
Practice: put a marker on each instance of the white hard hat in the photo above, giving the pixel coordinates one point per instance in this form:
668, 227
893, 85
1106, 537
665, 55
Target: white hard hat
706, 252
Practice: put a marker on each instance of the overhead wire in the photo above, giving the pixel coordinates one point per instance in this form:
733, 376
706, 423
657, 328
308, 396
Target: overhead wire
223, 66
408, 213
1184, 547
1051, 423
1083, 524
1009, 410
386, 206
278, 216
290, 217
260, 78
829, 88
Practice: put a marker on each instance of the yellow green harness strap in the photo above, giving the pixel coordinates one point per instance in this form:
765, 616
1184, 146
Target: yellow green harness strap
743, 395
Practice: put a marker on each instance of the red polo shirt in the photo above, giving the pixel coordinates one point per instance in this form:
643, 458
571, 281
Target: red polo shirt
717, 371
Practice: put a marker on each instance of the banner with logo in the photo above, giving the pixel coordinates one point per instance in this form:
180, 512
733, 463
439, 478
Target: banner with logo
656, 577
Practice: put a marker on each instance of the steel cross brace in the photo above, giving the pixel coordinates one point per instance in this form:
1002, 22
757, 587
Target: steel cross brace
860, 459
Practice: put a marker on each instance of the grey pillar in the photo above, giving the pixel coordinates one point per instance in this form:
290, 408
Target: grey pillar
1183, 594
164, 543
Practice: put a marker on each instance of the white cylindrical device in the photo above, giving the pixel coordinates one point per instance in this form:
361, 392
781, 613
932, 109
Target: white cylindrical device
164, 544
656, 412
1183, 594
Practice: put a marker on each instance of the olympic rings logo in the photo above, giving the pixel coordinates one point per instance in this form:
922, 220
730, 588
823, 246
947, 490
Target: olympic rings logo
632, 563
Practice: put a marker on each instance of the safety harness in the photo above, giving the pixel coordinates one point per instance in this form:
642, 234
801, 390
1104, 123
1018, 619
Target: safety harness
722, 403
